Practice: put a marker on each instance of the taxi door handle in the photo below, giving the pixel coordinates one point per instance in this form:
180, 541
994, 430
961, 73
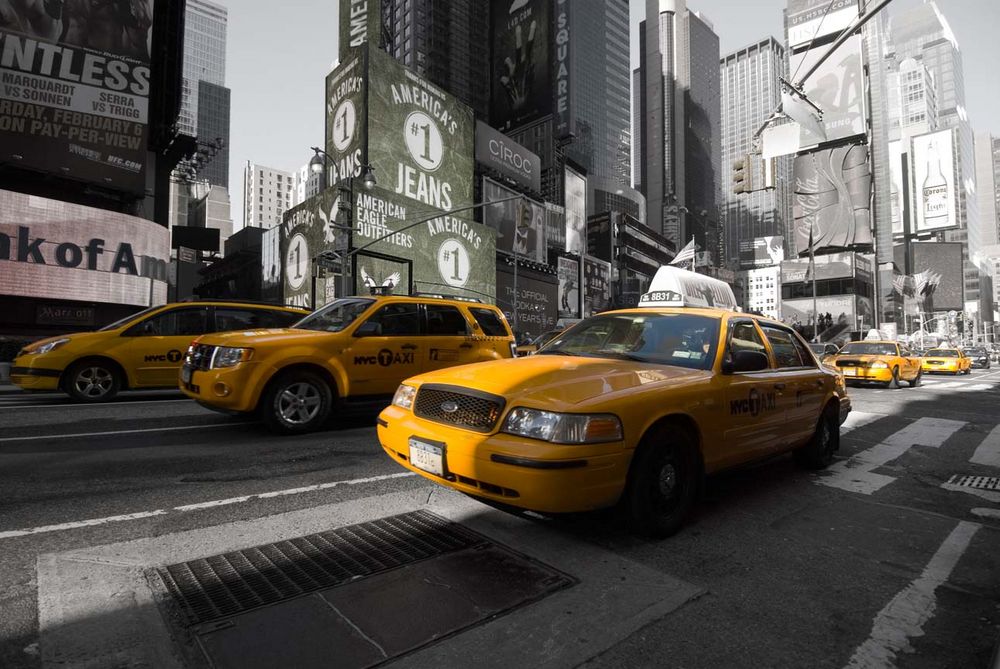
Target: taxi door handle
819, 383
779, 386
408, 347
465, 345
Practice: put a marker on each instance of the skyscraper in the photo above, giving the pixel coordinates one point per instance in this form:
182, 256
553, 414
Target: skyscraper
750, 93
679, 123
267, 194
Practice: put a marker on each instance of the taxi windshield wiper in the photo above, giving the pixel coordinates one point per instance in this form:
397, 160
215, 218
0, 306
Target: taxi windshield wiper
555, 352
621, 354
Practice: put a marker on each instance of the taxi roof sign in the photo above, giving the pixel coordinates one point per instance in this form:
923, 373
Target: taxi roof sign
676, 287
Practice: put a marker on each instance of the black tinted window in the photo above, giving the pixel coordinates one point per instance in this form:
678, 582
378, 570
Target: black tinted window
397, 320
445, 320
228, 319
174, 323
490, 322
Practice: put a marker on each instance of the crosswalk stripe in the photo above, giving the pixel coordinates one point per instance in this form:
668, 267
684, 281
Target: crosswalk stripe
988, 452
857, 419
855, 474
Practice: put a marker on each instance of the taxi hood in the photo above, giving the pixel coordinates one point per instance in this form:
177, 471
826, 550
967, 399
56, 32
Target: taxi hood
262, 337
560, 381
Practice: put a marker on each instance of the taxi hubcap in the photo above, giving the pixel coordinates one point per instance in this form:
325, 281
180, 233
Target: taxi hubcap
93, 381
299, 403
667, 480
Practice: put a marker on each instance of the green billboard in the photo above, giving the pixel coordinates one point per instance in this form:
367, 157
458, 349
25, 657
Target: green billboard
346, 117
421, 140
360, 22
306, 231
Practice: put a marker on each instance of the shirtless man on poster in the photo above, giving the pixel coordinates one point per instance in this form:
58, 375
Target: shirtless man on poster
116, 26
36, 18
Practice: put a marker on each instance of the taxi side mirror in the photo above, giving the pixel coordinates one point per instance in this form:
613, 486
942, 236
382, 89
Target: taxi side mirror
745, 361
368, 329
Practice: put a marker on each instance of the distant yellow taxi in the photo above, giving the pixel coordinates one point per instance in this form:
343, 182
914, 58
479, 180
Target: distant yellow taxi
946, 360
885, 362
632, 406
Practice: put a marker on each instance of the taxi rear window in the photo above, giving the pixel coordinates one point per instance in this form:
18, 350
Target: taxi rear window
490, 322
868, 348
942, 353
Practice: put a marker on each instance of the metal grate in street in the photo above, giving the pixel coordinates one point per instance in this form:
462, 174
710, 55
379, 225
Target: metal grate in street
232, 583
978, 482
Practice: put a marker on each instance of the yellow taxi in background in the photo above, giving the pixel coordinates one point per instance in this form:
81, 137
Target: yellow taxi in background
632, 406
143, 350
885, 362
354, 350
946, 360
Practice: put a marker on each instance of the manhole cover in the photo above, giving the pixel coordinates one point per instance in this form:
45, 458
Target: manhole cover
978, 482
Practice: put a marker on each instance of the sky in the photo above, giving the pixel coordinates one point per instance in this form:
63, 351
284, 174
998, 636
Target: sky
278, 55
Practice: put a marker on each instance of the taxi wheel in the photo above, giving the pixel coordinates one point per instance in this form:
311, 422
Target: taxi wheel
92, 381
297, 402
916, 379
818, 453
894, 382
663, 482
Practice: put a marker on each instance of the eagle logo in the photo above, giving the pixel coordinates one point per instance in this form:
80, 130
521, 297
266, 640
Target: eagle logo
389, 282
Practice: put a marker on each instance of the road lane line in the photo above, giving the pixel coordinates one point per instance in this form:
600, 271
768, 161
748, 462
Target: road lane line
174, 428
90, 406
855, 474
988, 452
988, 495
904, 617
986, 513
9, 534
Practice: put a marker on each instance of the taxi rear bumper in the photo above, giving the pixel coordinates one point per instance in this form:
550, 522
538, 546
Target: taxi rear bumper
940, 367
845, 408
525, 473
880, 375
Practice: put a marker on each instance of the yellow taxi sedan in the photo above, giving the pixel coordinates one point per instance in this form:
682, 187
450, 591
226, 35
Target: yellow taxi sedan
885, 362
946, 360
632, 407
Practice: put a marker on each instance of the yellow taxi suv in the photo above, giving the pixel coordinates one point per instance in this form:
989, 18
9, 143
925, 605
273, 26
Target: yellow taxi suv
143, 350
885, 362
353, 351
946, 360
630, 407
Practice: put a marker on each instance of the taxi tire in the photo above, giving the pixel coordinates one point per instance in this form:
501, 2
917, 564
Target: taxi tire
669, 445
917, 379
818, 453
893, 383
97, 369
270, 413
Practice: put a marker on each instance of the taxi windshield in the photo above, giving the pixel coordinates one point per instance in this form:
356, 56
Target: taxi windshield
128, 319
941, 353
683, 340
868, 348
335, 316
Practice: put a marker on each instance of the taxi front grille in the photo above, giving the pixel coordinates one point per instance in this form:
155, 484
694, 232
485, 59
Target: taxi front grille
200, 357
851, 363
458, 406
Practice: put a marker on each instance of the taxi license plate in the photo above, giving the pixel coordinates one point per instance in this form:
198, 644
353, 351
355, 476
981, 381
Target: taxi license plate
186, 373
428, 457
850, 371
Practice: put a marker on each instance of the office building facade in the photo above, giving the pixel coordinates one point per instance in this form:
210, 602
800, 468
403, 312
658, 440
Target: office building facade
267, 194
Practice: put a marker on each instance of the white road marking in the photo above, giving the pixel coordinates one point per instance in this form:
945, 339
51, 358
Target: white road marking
986, 513
40, 437
988, 451
904, 617
988, 495
857, 419
855, 474
9, 534
89, 406
979, 387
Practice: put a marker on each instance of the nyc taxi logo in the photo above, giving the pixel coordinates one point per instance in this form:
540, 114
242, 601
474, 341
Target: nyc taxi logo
753, 404
385, 358
170, 356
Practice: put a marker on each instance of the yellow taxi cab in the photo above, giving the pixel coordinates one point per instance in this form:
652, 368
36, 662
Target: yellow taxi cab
143, 350
354, 350
632, 406
950, 360
886, 362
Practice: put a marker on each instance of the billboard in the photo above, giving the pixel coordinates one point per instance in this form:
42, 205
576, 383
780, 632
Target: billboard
841, 308
360, 22
496, 150
837, 88
761, 251
555, 227
561, 64
521, 90
568, 271
74, 89
936, 198
346, 118
940, 284
576, 212
536, 301
896, 190
808, 20
420, 138
832, 197
54, 249
529, 241
828, 266
270, 261
597, 285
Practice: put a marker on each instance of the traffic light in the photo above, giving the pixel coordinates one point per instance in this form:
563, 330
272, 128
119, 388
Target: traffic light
523, 215
742, 183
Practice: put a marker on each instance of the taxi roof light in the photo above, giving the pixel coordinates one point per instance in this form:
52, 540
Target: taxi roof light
676, 287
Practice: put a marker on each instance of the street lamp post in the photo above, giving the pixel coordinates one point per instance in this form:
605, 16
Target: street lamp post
317, 165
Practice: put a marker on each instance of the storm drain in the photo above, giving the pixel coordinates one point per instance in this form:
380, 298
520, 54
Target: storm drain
232, 583
977, 482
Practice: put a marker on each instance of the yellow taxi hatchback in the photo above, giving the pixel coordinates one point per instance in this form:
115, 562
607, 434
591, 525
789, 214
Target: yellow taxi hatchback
946, 360
885, 362
143, 350
353, 351
632, 406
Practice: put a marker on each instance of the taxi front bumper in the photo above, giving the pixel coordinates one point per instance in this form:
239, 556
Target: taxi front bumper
39, 372
229, 389
526, 473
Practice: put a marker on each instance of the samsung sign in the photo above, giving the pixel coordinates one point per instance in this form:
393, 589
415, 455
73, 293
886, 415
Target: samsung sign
507, 157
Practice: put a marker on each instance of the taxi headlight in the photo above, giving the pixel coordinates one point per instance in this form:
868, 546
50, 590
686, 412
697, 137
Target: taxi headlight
228, 356
563, 428
47, 347
404, 396
879, 364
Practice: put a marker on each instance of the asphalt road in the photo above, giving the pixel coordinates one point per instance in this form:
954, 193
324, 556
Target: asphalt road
883, 560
